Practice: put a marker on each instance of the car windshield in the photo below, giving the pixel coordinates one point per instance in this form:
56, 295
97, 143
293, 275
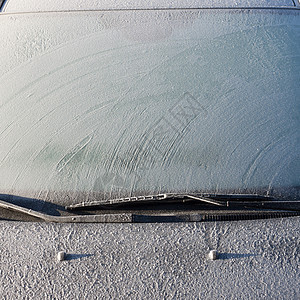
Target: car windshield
109, 104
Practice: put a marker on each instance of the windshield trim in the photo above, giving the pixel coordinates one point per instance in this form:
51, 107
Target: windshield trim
242, 8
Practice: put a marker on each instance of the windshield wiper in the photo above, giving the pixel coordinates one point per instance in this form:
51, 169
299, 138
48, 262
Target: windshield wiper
194, 208
157, 199
207, 207
218, 200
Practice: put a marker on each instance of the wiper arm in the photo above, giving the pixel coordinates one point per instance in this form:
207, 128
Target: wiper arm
101, 218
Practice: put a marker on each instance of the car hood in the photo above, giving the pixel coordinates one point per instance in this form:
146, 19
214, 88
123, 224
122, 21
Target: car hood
257, 259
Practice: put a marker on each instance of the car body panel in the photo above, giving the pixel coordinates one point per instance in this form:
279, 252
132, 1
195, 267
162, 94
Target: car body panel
257, 259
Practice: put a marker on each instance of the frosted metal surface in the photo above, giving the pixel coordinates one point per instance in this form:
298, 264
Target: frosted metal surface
136, 102
257, 259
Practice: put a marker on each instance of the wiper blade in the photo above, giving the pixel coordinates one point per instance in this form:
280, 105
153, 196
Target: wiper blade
160, 198
217, 200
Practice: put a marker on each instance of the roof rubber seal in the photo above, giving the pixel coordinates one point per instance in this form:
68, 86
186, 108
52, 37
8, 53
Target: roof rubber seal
2, 3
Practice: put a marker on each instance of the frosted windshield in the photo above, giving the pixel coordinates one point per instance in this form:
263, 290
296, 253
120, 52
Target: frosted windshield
143, 102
